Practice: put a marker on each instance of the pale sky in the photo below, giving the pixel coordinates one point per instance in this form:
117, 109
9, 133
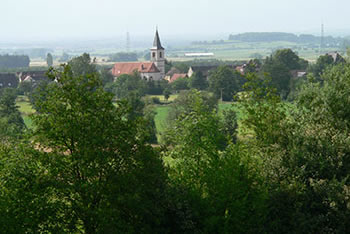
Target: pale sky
67, 19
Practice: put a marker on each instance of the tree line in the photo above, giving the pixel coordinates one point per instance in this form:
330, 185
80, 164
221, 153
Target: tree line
14, 61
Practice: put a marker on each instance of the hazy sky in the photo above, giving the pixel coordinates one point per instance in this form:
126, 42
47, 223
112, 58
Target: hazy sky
67, 19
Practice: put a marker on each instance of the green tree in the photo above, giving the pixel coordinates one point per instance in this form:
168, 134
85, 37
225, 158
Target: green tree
166, 94
280, 75
12, 123
289, 58
225, 82
49, 60
101, 170
198, 81
125, 84
82, 65
180, 84
106, 76
218, 181
323, 62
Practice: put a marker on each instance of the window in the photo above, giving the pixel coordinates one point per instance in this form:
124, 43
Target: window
0, 84
160, 54
9, 84
153, 54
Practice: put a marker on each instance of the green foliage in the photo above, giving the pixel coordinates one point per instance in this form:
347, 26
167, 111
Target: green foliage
82, 65
180, 84
129, 83
262, 109
106, 76
229, 125
183, 104
322, 63
24, 88
289, 59
219, 184
225, 82
279, 67
102, 170
305, 154
11, 121
198, 81
166, 93
49, 60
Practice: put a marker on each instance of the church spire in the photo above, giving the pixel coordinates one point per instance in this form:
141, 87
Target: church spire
156, 42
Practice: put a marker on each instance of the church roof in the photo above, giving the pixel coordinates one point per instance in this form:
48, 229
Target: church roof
156, 43
129, 68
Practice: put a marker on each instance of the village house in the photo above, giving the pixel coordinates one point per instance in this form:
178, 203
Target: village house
152, 70
32, 76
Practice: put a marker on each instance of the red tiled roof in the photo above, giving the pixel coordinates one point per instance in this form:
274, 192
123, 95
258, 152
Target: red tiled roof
128, 68
177, 76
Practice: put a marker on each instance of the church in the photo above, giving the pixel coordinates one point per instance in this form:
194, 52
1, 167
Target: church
153, 70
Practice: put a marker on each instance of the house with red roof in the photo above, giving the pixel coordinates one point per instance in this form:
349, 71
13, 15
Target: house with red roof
153, 70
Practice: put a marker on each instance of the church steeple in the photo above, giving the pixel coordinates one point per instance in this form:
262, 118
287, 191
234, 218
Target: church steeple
156, 43
158, 55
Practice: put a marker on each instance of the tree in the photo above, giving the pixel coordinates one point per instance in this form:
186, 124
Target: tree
288, 58
166, 93
280, 75
106, 76
180, 84
126, 83
198, 81
49, 60
323, 62
217, 182
14, 61
82, 65
12, 123
98, 161
183, 104
224, 82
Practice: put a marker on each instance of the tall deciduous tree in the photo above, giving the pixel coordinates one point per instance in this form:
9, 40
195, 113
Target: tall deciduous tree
82, 65
225, 82
104, 174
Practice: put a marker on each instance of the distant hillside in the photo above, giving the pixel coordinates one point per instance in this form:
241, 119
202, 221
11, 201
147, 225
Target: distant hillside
281, 36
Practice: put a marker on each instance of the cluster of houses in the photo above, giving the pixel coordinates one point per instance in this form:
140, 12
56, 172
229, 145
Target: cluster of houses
12, 80
148, 70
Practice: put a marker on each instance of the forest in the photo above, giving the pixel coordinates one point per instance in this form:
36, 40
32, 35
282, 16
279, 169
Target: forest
92, 162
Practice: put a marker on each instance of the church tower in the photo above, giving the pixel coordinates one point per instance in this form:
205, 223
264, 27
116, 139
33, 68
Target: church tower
158, 55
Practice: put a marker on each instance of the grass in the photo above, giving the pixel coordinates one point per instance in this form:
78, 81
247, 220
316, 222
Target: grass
160, 119
162, 99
